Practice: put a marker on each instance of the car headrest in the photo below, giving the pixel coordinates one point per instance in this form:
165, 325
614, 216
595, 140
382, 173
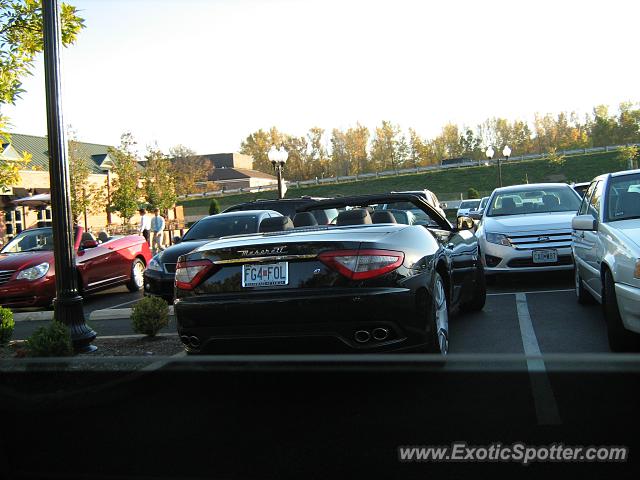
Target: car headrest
508, 203
103, 236
550, 201
304, 219
383, 216
357, 216
87, 236
630, 203
275, 224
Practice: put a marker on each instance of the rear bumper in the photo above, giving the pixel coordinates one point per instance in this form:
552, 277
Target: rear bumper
159, 284
629, 305
301, 322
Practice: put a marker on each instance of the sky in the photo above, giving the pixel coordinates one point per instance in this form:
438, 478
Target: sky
207, 73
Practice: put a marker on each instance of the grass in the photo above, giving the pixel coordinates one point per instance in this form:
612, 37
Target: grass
446, 184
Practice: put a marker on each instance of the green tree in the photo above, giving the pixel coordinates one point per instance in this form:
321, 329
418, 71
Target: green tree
473, 193
339, 155
214, 207
85, 196
159, 187
629, 156
384, 147
317, 156
21, 40
356, 140
126, 193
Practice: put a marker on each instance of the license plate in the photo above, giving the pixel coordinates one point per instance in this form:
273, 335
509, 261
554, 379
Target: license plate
545, 256
265, 275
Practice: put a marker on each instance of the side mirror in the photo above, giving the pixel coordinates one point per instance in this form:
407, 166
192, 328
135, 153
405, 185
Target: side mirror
443, 205
477, 215
88, 244
465, 223
584, 222
177, 239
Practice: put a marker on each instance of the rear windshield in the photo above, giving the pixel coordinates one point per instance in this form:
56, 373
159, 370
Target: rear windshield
222, 226
470, 203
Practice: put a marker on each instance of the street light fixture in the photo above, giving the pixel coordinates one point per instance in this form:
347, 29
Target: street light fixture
278, 157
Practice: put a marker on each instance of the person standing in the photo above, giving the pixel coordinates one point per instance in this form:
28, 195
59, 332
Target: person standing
157, 231
145, 224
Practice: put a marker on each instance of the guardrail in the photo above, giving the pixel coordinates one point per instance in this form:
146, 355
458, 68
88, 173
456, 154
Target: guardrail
401, 171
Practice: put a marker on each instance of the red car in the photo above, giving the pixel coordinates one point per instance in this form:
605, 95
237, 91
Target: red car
27, 277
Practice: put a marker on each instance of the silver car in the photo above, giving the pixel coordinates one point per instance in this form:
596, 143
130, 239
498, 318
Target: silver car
527, 228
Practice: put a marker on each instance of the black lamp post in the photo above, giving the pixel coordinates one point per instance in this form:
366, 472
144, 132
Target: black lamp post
278, 158
68, 303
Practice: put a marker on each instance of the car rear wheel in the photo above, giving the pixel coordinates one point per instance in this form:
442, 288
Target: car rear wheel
137, 279
620, 339
582, 294
479, 294
438, 319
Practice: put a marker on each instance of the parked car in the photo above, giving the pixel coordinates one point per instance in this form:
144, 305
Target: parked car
160, 275
430, 197
366, 284
288, 207
606, 249
27, 276
467, 206
527, 228
478, 212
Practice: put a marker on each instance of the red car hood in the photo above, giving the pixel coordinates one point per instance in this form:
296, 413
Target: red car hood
18, 261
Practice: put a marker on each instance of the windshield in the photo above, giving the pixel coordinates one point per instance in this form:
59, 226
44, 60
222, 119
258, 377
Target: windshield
534, 200
31, 240
470, 204
222, 226
623, 197
483, 202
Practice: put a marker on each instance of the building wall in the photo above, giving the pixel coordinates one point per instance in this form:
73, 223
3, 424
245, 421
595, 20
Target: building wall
262, 182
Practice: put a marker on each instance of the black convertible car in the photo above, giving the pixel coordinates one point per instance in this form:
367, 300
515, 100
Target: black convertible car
365, 284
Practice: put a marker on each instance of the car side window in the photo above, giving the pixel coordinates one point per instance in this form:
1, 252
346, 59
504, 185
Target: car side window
585, 200
596, 200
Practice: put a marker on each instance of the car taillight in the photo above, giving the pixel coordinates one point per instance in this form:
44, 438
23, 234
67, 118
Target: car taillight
362, 264
191, 272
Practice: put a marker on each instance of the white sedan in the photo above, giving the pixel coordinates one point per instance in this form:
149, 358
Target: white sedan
606, 249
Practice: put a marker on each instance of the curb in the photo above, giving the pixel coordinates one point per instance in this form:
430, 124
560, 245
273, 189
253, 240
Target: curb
104, 314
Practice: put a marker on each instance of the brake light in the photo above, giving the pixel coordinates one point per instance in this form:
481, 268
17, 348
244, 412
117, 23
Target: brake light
362, 264
191, 272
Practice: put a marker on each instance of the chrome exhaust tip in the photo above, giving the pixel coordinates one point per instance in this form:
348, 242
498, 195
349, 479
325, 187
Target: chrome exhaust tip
380, 334
361, 336
194, 341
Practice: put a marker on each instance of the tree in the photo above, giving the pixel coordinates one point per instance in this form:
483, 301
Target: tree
126, 193
214, 207
159, 187
86, 197
21, 40
384, 147
629, 156
257, 145
187, 168
339, 156
473, 193
317, 156
356, 141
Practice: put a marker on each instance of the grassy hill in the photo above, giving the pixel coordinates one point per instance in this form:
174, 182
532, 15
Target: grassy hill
447, 184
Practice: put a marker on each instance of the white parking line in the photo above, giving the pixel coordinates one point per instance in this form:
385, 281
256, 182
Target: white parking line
543, 397
123, 304
532, 291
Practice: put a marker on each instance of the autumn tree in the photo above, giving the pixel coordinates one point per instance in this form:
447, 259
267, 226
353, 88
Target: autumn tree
21, 39
356, 141
187, 168
339, 156
384, 147
159, 187
126, 193
317, 155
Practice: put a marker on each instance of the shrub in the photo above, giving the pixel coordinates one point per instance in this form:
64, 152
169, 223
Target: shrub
473, 193
150, 315
6, 325
53, 340
214, 207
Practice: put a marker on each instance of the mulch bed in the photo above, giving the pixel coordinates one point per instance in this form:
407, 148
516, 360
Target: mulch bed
163, 345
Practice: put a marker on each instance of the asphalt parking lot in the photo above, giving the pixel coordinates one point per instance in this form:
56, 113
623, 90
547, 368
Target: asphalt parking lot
522, 311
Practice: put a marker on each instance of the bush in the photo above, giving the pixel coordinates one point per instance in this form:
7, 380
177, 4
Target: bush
150, 315
53, 340
473, 193
214, 207
6, 325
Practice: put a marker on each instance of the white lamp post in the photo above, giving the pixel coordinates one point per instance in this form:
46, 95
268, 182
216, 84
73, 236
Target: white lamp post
278, 157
